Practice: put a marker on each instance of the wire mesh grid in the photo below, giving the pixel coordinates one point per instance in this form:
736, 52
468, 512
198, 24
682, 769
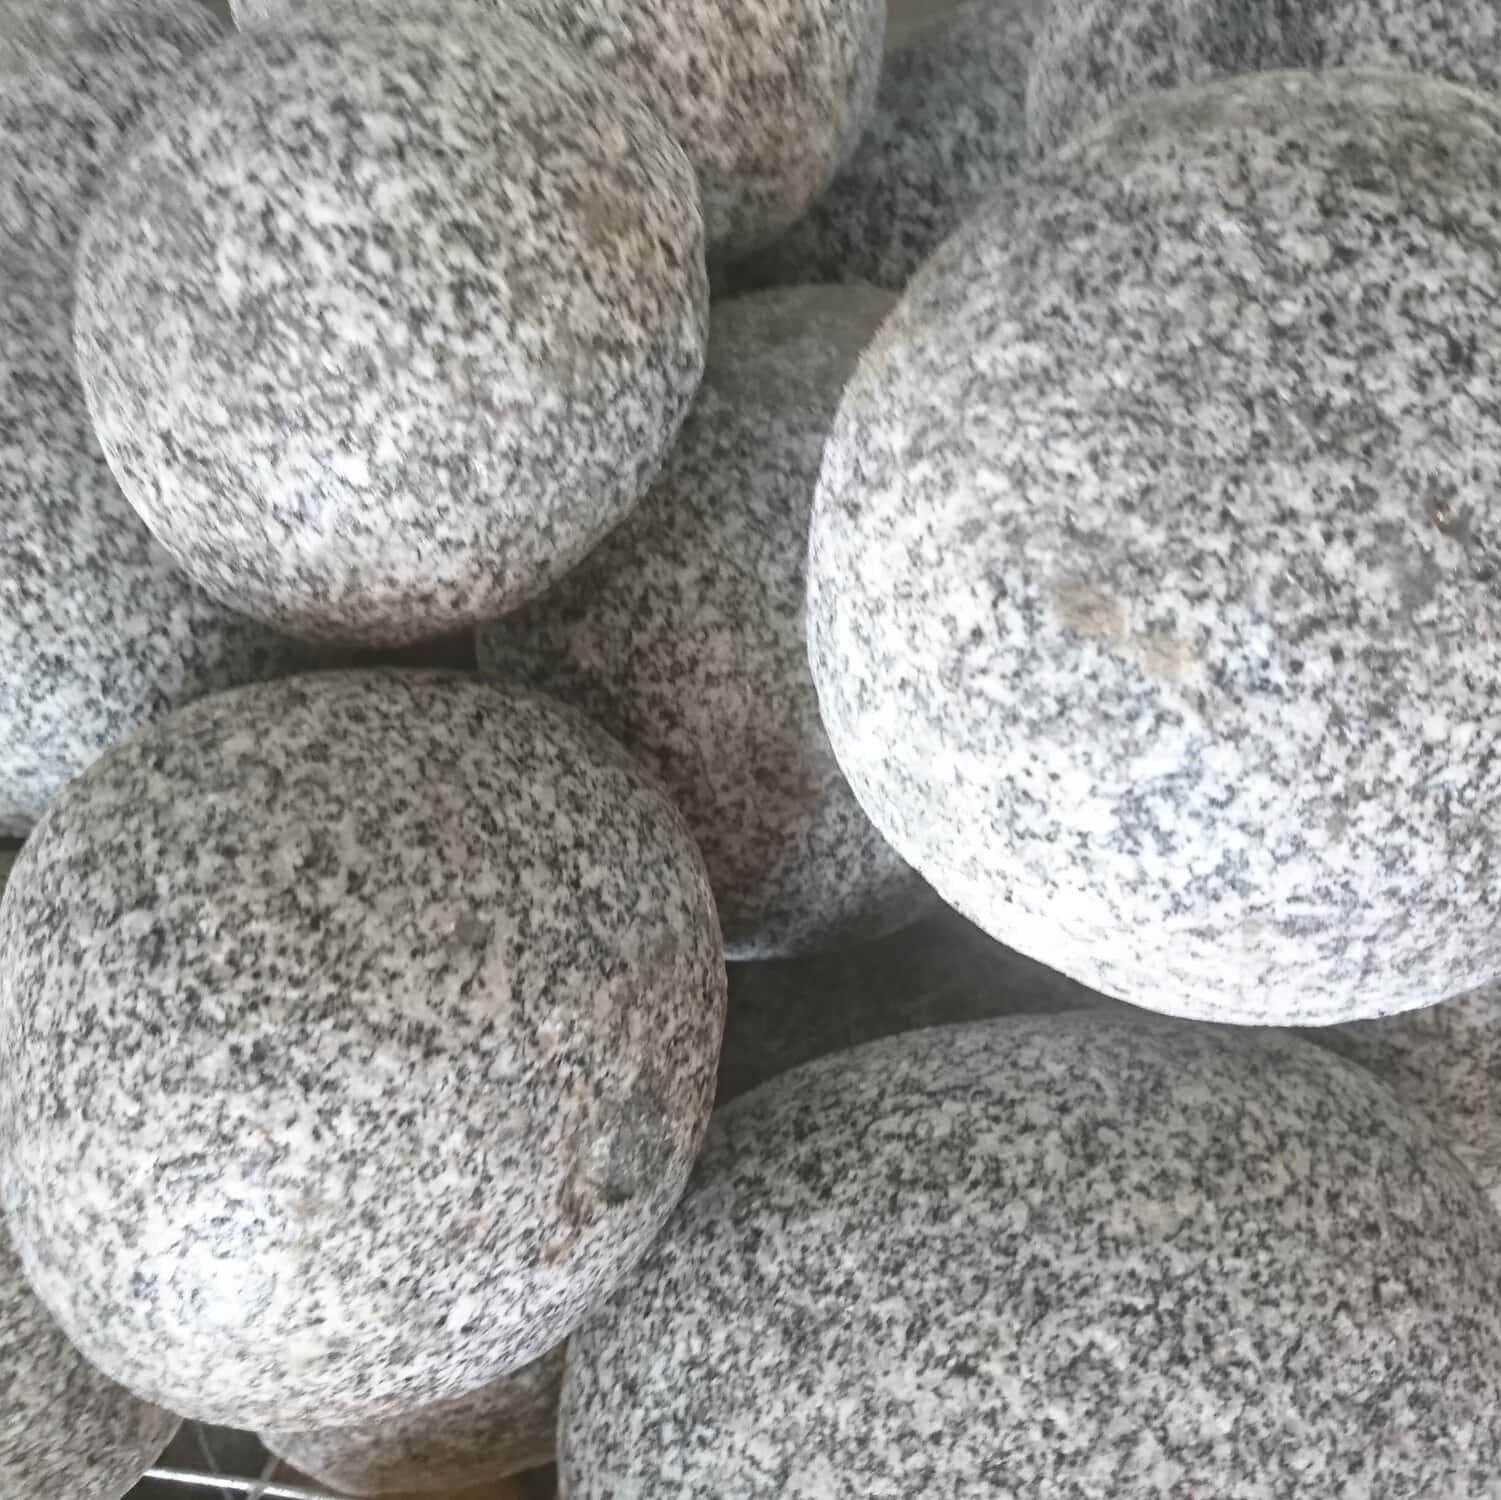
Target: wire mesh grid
214, 1463
203, 1463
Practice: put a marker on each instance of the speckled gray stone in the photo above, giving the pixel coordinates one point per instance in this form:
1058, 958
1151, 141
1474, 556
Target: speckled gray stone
1091, 55
65, 1429
499, 1430
99, 631
766, 96
1153, 580
683, 635
1445, 1062
384, 328
75, 76
1070, 1256
947, 130
939, 971
359, 1032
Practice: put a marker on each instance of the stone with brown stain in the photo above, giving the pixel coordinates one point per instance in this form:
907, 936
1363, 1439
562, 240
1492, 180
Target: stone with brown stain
1150, 584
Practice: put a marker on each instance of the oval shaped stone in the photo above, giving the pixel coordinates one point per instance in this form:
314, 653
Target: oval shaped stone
1152, 595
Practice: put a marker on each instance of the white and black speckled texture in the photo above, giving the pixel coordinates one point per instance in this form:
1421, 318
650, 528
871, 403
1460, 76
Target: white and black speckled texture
358, 1032
939, 971
683, 635
75, 76
1072, 1256
499, 1430
1153, 580
65, 1429
949, 127
384, 328
1444, 1061
99, 630
766, 96
1092, 55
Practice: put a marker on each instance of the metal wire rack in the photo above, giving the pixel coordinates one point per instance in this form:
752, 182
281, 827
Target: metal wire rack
266, 1485
210, 1463
214, 1463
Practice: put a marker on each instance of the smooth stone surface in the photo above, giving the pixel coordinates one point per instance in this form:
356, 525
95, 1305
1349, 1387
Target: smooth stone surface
501, 1429
949, 127
384, 328
65, 1429
1091, 55
682, 635
939, 971
1153, 597
75, 77
360, 1031
1444, 1062
99, 631
766, 96
1071, 1256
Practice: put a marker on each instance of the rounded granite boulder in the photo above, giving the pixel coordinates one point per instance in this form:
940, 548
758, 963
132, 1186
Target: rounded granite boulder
1152, 593
75, 77
99, 630
1073, 1256
65, 1429
360, 1031
949, 127
766, 96
1092, 55
683, 636
1445, 1062
383, 328
501, 1429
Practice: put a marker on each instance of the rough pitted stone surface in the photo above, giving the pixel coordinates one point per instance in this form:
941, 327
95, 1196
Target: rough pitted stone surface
1153, 578
359, 1032
383, 328
1444, 1061
501, 1429
75, 76
766, 96
939, 971
99, 630
949, 127
1068, 1256
1092, 55
65, 1429
683, 635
